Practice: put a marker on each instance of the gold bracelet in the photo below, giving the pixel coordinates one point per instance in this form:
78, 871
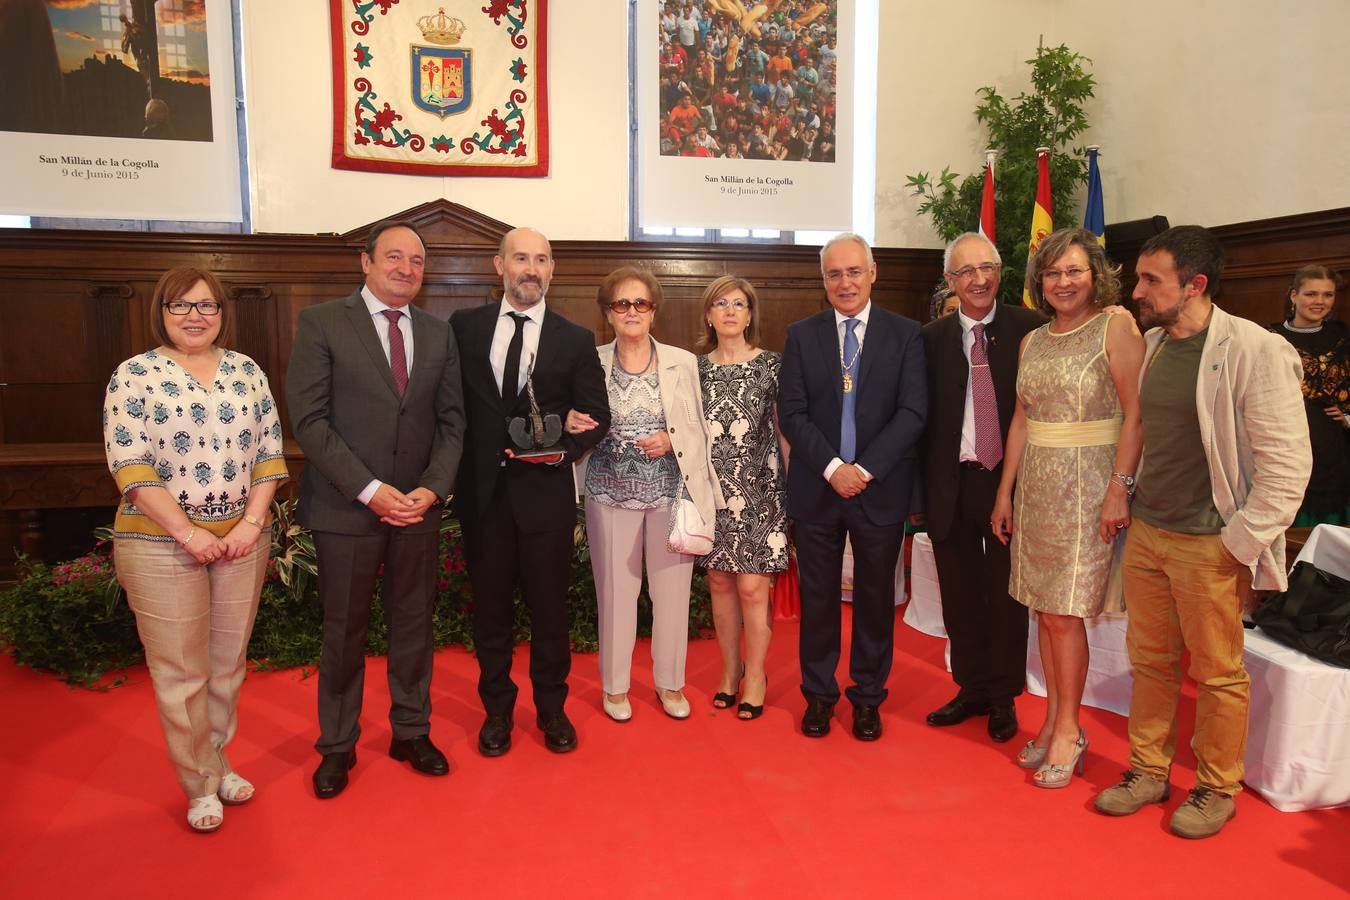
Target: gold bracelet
253, 520
192, 532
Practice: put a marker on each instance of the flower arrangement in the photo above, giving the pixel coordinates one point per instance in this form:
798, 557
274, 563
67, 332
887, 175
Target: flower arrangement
72, 618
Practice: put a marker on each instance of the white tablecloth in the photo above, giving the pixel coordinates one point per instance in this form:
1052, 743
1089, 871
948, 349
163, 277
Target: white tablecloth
924, 612
1298, 739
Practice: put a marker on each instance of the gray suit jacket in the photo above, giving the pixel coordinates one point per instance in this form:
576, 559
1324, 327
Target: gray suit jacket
347, 416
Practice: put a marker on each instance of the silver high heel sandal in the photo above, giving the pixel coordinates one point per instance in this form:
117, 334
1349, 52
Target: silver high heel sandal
1054, 775
1031, 756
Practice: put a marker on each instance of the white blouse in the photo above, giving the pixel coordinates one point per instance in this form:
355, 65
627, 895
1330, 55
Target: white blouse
205, 445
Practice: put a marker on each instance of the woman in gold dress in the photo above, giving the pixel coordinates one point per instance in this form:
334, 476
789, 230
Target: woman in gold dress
1072, 449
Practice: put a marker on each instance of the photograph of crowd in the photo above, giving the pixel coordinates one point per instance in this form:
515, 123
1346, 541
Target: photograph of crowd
748, 81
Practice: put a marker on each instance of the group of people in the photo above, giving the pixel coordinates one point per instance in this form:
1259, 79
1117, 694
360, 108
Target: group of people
1060, 459
1074, 461
763, 93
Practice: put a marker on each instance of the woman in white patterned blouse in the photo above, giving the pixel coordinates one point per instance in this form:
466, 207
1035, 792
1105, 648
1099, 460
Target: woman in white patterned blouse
194, 443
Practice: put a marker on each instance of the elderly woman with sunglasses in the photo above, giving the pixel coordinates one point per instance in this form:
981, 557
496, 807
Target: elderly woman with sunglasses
655, 455
194, 444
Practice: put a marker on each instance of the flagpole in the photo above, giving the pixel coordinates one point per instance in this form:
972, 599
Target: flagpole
986, 226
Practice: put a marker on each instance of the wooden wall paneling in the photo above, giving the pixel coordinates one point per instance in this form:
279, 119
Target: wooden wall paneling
1260, 259
255, 323
55, 413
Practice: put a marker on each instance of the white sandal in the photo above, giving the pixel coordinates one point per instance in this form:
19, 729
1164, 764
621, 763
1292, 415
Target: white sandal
231, 786
203, 808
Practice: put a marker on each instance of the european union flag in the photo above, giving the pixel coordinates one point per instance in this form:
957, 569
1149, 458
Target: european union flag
1094, 217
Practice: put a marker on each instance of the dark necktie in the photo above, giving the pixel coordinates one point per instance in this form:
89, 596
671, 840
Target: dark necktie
848, 427
988, 438
398, 356
511, 371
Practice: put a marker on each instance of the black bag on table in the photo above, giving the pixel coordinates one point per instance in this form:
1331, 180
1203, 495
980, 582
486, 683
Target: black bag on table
1313, 616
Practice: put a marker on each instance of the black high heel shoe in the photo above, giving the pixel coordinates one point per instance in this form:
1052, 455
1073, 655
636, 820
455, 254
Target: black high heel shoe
723, 700
748, 711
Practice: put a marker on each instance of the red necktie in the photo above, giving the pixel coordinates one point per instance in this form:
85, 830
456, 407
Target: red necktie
398, 357
988, 438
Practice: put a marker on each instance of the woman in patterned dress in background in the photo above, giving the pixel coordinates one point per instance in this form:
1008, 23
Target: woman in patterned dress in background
1072, 450
740, 382
1323, 344
194, 444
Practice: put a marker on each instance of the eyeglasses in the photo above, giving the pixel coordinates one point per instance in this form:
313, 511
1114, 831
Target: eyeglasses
622, 306
183, 307
1073, 273
852, 274
726, 303
986, 270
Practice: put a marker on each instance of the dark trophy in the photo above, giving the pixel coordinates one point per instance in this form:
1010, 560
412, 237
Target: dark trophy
536, 434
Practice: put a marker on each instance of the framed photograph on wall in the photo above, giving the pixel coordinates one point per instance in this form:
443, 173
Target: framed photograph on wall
119, 109
745, 113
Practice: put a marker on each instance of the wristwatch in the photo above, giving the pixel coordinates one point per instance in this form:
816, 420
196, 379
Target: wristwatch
1126, 481
254, 520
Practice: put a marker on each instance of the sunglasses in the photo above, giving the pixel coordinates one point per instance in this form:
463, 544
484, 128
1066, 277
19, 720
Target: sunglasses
622, 306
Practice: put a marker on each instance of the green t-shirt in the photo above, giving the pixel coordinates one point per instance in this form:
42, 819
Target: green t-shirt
1174, 491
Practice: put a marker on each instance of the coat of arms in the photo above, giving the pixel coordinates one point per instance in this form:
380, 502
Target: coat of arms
442, 75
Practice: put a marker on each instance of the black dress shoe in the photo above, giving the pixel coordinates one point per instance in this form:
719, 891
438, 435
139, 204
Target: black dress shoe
422, 753
1003, 722
559, 735
331, 776
816, 719
494, 738
866, 722
957, 711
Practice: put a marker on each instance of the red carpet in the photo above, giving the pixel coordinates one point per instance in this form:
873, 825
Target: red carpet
656, 808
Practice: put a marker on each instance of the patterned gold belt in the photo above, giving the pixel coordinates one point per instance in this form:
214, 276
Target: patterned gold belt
1074, 434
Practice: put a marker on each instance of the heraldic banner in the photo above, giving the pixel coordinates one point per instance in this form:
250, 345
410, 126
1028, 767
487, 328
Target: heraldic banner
452, 87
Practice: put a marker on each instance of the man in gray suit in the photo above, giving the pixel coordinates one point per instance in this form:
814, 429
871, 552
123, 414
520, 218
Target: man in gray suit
375, 402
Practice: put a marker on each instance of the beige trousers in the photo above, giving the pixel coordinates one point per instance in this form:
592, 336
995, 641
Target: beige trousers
619, 540
194, 622
1184, 592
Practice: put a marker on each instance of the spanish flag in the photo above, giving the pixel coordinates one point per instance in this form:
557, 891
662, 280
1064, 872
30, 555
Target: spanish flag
1094, 217
1041, 221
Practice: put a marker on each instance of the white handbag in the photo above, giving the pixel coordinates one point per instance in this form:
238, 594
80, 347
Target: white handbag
689, 533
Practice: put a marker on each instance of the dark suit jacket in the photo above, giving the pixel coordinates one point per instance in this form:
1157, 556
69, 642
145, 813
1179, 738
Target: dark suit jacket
891, 406
348, 418
948, 372
567, 375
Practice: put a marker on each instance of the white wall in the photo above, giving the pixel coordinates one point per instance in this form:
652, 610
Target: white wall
288, 74
935, 55
1219, 111
1209, 112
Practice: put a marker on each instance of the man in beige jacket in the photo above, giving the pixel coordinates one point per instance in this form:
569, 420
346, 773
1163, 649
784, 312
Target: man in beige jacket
1225, 463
